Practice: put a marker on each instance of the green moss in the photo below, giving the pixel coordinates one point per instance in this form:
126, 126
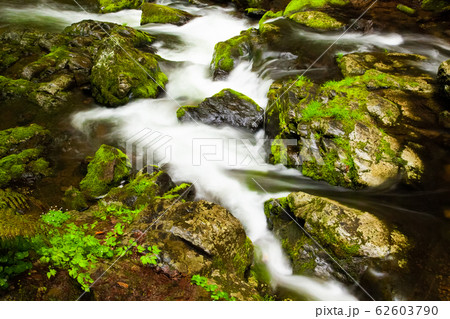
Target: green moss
40, 166
299, 5
13, 166
269, 15
74, 199
107, 6
327, 171
108, 168
328, 237
155, 13
15, 88
182, 110
316, 20
243, 257
225, 53
406, 9
11, 139
116, 74
237, 95
436, 5
222, 58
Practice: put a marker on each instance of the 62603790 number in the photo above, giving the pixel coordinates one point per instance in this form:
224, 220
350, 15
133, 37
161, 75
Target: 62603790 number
406, 310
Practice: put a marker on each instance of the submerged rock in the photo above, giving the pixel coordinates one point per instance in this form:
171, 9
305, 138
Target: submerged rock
156, 13
227, 107
106, 170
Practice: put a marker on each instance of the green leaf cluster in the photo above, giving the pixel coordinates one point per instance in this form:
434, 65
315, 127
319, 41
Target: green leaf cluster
13, 260
215, 294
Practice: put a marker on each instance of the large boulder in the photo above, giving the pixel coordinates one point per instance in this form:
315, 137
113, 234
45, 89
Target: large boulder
344, 127
227, 107
107, 169
443, 77
113, 62
122, 65
156, 13
338, 236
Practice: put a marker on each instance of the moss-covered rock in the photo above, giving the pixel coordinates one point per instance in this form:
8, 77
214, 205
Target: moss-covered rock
300, 5
74, 199
227, 107
107, 169
107, 6
21, 151
227, 53
122, 65
443, 77
356, 240
156, 13
316, 20
116, 74
16, 166
114, 61
15, 140
10, 88
339, 124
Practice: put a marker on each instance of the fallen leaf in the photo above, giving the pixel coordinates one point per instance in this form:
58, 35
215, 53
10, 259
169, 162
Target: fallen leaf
122, 284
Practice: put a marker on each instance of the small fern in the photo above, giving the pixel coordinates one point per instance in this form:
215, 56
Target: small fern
14, 225
14, 200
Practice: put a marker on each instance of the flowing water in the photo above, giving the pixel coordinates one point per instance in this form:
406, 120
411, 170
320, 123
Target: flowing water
227, 165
